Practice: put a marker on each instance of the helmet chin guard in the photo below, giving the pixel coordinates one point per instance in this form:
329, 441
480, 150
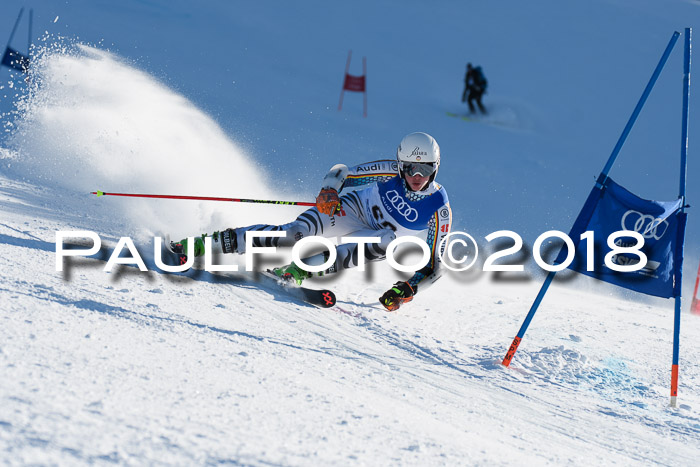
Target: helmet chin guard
415, 154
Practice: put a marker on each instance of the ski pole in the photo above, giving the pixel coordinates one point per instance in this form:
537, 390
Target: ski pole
206, 198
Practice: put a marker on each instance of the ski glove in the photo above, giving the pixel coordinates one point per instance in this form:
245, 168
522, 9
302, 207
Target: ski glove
327, 201
392, 299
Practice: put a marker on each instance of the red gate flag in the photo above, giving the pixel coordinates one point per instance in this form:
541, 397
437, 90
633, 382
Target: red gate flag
13, 59
355, 83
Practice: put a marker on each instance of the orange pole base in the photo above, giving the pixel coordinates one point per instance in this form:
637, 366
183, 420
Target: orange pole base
511, 351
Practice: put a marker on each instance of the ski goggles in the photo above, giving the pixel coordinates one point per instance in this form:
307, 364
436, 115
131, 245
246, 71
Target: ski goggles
424, 169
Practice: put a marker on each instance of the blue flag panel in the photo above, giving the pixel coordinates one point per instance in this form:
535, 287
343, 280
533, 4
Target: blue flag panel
13, 59
660, 223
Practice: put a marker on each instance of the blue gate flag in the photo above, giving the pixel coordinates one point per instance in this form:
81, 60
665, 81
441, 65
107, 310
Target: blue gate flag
13, 59
662, 224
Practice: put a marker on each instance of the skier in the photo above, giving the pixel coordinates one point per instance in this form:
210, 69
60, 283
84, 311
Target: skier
397, 198
475, 85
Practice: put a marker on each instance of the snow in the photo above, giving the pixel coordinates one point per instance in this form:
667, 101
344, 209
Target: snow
236, 99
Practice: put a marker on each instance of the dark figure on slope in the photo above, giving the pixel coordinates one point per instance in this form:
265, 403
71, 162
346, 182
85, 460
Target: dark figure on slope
475, 85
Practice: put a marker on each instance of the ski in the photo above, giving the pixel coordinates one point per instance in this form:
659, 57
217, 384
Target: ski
321, 298
485, 120
463, 117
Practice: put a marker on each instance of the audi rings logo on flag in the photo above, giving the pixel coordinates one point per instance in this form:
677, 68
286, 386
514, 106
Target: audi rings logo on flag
400, 204
645, 224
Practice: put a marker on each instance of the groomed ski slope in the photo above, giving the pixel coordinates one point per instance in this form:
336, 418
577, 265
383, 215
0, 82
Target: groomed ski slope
134, 367
137, 368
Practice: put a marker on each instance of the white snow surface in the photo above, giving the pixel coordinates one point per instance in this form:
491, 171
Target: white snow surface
239, 99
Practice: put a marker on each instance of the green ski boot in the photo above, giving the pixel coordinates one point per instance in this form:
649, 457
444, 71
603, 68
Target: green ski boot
180, 248
221, 242
292, 272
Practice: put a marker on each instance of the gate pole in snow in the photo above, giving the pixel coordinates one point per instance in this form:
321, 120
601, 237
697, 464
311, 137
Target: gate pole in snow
681, 195
355, 83
14, 29
29, 35
531, 314
604, 174
600, 182
694, 302
364, 94
11, 57
347, 70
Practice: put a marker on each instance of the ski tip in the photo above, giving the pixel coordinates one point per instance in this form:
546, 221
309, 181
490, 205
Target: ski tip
98, 193
319, 298
328, 299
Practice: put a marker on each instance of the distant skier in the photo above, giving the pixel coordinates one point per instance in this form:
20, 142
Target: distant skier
475, 85
398, 198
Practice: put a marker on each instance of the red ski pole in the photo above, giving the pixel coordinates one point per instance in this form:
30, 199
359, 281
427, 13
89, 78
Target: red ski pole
206, 198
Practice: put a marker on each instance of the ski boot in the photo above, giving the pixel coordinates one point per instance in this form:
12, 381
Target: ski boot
222, 242
180, 248
291, 273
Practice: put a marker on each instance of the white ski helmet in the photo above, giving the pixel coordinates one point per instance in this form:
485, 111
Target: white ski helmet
418, 153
